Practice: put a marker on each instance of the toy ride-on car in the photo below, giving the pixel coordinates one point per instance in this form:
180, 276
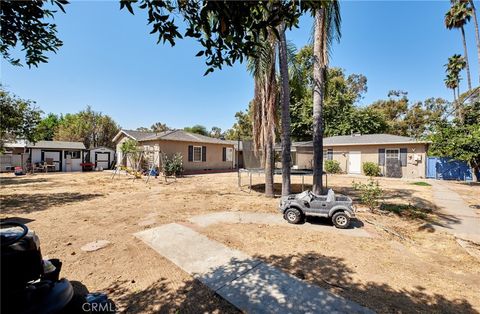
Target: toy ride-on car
339, 208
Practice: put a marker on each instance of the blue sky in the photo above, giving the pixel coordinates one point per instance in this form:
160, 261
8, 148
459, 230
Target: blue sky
109, 61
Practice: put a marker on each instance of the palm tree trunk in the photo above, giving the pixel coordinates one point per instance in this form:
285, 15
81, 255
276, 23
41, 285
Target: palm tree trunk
269, 166
477, 35
469, 80
318, 95
285, 112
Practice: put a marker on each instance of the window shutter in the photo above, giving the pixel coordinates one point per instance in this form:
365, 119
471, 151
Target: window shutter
403, 157
190, 152
224, 154
381, 156
330, 154
204, 153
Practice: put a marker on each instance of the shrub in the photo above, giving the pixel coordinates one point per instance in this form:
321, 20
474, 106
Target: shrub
371, 169
172, 166
332, 166
370, 192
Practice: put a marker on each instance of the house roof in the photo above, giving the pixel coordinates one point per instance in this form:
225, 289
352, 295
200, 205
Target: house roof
20, 143
366, 139
56, 145
171, 135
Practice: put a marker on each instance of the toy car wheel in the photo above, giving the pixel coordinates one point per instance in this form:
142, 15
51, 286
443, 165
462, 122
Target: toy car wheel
293, 215
341, 220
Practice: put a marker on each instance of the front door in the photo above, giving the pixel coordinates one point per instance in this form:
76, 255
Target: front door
354, 162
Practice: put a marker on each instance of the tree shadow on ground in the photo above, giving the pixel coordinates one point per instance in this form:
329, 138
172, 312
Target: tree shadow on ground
333, 274
20, 220
21, 181
270, 291
160, 297
27, 203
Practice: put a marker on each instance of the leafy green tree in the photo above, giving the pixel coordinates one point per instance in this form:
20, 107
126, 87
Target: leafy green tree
19, 118
92, 128
228, 31
197, 128
394, 109
159, 127
143, 129
25, 24
242, 128
47, 127
216, 132
457, 17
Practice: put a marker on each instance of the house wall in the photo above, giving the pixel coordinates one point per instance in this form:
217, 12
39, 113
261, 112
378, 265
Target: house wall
214, 154
369, 153
36, 154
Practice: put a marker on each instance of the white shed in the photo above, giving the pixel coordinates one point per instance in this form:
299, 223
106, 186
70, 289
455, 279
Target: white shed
102, 157
66, 156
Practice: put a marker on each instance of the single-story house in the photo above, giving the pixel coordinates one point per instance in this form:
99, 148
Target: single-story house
66, 156
101, 157
397, 156
199, 153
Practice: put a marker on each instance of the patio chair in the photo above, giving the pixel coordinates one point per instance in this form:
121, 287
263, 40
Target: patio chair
49, 164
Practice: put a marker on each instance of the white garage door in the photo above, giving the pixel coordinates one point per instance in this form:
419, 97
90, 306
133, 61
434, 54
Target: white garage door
102, 160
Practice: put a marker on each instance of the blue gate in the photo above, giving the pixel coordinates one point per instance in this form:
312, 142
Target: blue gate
448, 169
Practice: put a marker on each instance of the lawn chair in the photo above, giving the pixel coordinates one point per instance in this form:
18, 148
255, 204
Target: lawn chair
49, 164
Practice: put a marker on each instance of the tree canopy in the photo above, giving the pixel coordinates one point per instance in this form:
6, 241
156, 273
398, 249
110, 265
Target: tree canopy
19, 118
197, 128
25, 25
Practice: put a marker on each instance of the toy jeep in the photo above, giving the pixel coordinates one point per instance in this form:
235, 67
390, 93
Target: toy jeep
339, 207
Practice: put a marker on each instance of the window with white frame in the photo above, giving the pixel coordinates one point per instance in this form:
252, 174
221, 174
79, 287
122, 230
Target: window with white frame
197, 153
229, 154
392, 153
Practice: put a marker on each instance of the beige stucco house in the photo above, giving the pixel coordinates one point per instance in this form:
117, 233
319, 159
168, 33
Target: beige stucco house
200, 153
397, 156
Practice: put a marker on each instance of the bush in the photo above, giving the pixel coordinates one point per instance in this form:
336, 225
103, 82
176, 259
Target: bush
332, 166
371, 169
172, 166
370, 193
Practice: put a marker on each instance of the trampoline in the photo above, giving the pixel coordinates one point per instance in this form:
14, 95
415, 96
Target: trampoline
293, 172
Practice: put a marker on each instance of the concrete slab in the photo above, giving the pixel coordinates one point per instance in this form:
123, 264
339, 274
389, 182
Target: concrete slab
271, 220
247, 283
266, 289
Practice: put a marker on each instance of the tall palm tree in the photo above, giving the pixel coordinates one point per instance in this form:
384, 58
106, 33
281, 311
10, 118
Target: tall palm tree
455, 65
457, 17
285, 111
327, 29
264, 105
477, 35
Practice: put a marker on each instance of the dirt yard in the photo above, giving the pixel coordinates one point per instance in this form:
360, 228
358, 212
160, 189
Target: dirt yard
410, 268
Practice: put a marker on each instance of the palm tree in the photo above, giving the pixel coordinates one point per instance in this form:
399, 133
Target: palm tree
455, 65
264, 105
477, 35
285, 111
457, 17
327, 29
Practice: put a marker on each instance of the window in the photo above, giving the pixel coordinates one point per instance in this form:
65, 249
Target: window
328, 154
75, 154
197, 153
229, 155
392, 154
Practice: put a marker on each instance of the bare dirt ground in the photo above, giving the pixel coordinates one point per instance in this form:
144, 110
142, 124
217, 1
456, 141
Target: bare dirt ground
470, 192
411, 268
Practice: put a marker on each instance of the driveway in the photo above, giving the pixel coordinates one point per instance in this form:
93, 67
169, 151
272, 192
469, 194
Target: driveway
455, 216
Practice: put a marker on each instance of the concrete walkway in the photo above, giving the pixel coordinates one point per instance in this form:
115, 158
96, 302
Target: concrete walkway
249, 284
271, 220
455, 216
